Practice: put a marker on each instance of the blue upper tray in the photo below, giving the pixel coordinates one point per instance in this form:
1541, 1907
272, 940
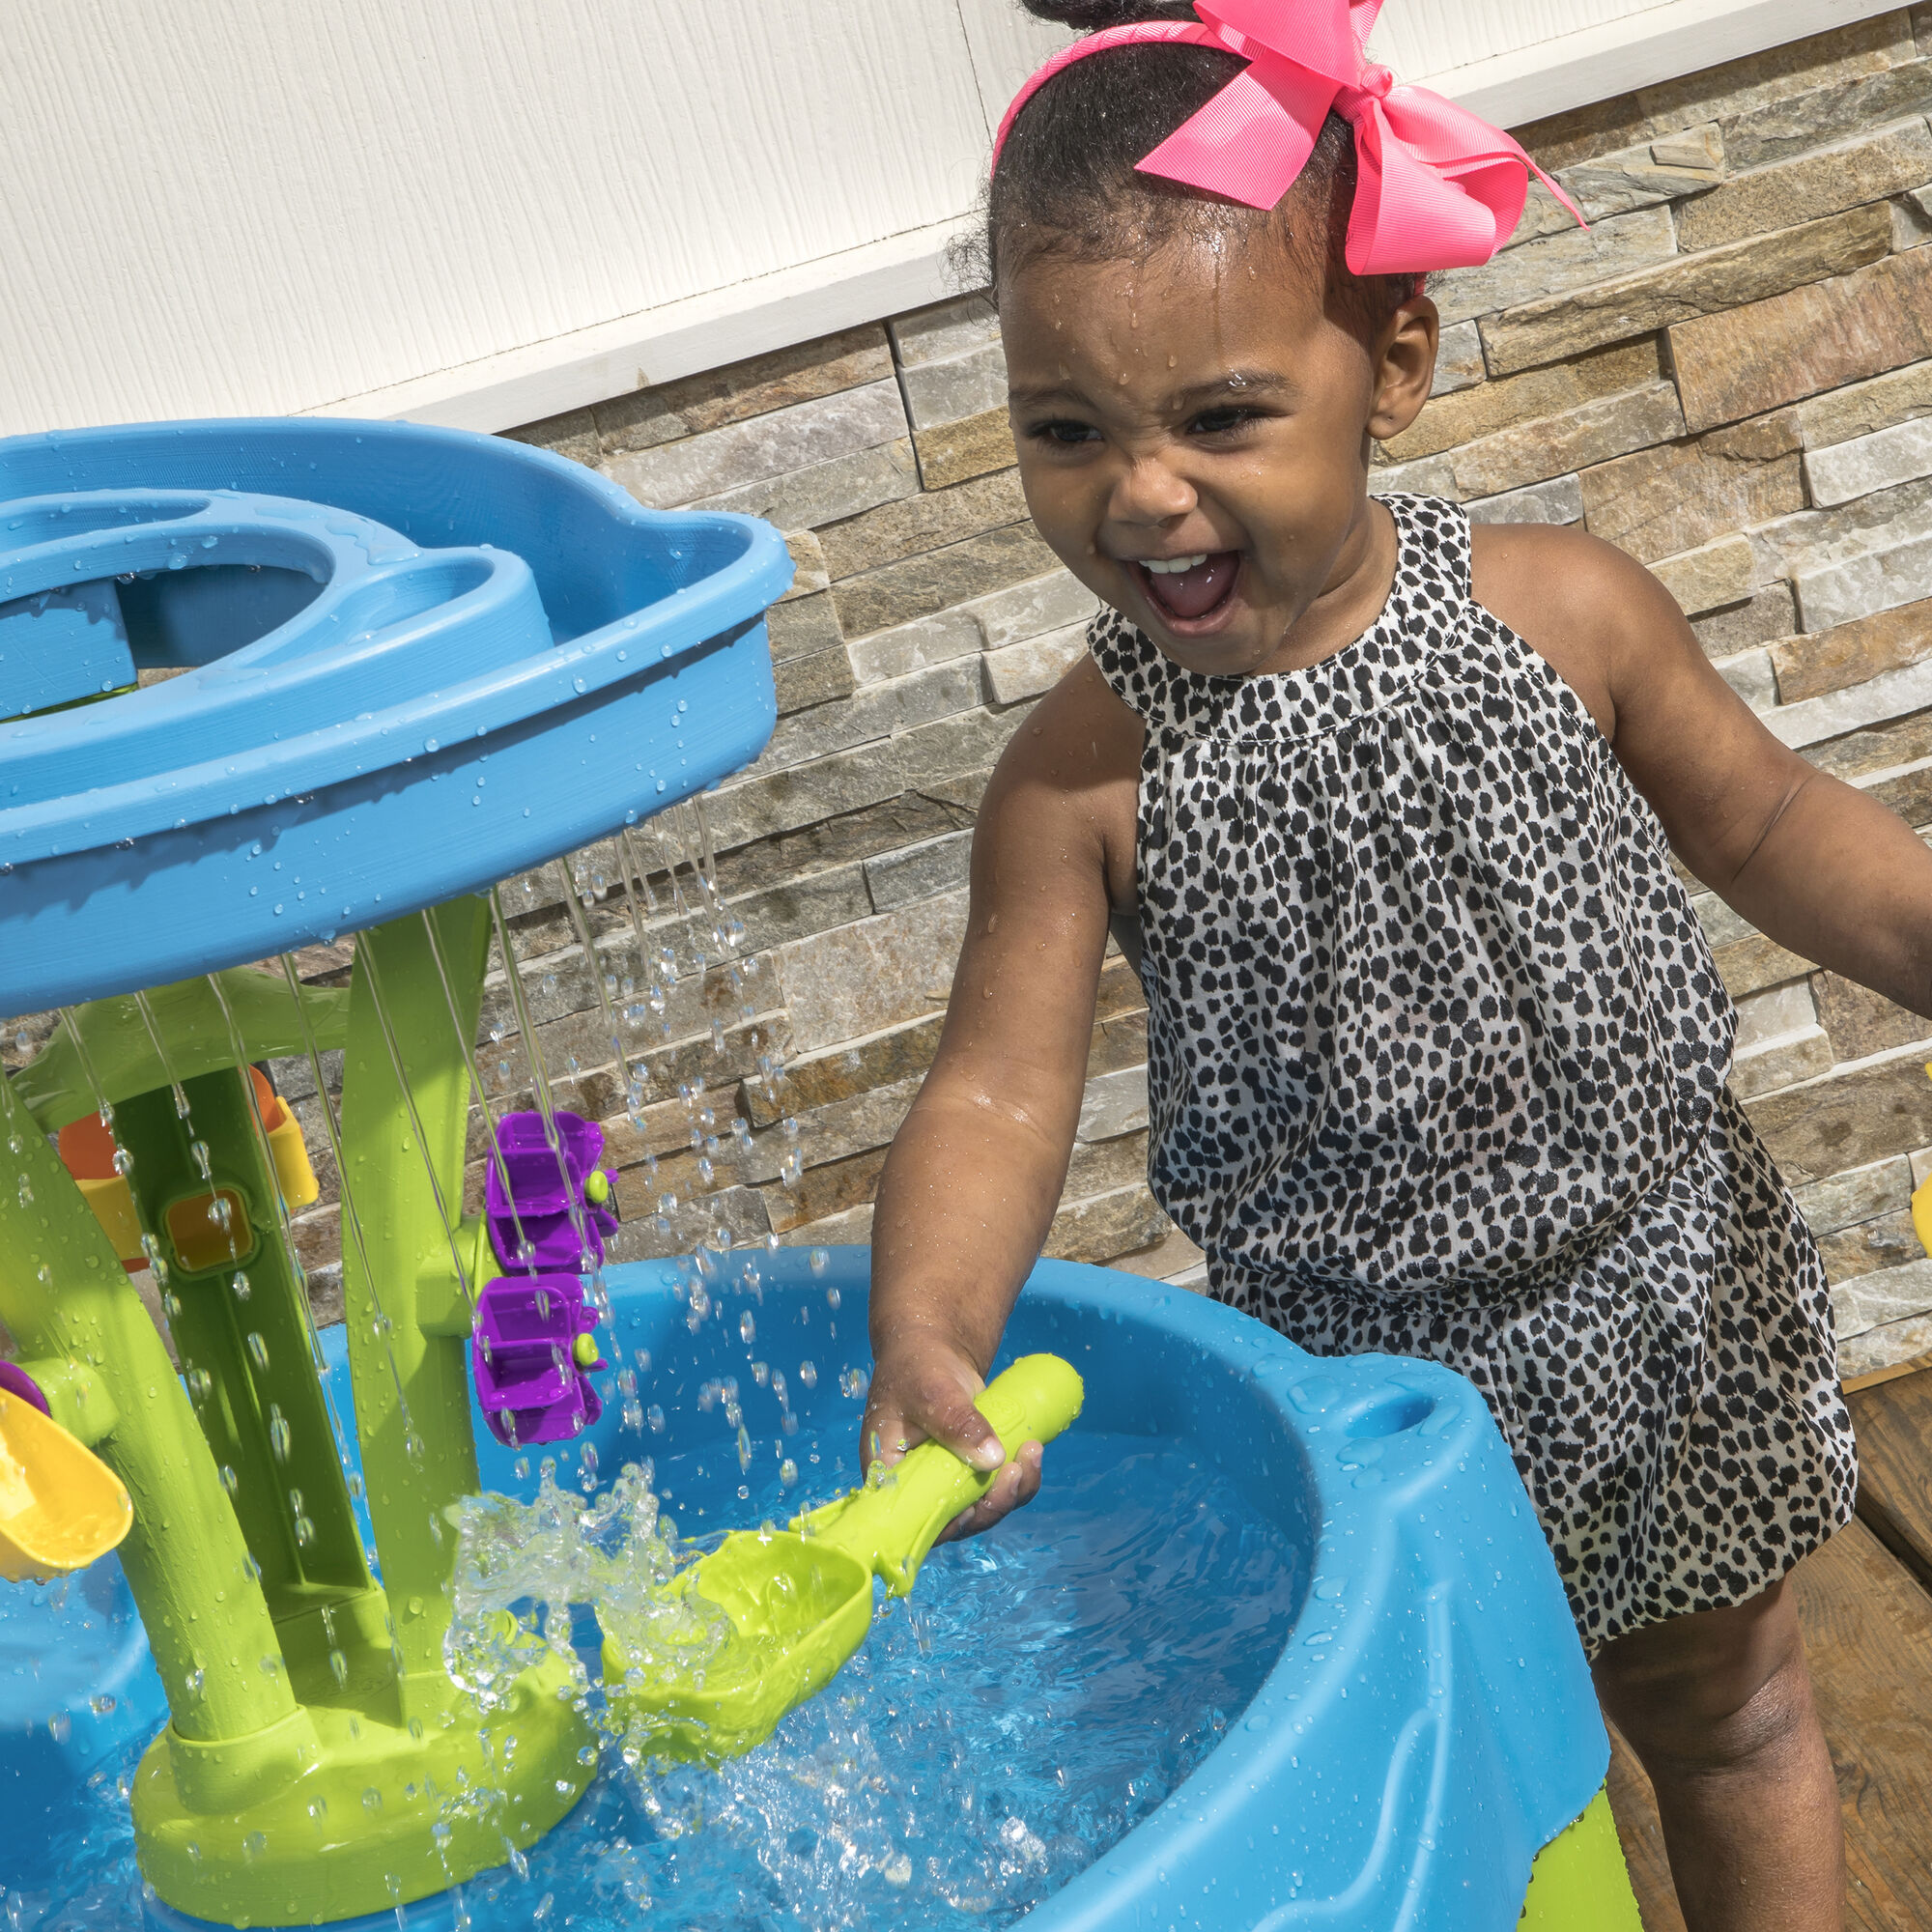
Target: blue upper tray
414, 661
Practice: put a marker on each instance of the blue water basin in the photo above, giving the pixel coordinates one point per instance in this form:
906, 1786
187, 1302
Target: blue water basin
1393, 1714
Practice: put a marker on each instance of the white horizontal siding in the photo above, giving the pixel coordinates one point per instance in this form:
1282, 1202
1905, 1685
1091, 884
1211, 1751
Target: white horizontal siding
482, 212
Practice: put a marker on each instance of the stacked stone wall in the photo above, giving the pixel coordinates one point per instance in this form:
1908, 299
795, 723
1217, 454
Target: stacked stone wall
1729, 376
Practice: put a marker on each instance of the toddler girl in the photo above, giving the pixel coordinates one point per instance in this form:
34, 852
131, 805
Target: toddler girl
1384, 809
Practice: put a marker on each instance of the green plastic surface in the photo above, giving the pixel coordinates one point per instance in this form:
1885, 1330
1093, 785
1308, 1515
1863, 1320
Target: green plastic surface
800, 1600
1579, 1882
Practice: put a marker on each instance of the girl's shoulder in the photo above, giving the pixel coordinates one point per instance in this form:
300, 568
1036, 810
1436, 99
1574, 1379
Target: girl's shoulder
1579, 603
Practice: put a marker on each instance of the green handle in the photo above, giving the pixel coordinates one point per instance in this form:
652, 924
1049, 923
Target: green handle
891, 1528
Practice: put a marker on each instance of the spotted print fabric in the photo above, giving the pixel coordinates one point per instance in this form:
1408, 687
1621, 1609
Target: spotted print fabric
1437, 1061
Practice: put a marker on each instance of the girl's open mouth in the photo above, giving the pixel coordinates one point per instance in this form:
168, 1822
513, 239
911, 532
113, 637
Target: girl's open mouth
1194, 597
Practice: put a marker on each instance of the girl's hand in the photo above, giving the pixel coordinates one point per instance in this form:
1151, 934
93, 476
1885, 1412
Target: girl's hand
923, 1388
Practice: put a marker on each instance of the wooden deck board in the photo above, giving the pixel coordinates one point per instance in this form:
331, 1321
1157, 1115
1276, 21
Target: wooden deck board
1894, 1428
1868, 1634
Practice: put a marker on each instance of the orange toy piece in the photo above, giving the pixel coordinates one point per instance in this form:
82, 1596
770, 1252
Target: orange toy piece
87, 1150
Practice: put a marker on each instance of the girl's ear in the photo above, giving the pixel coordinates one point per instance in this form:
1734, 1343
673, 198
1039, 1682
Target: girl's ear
1405, 368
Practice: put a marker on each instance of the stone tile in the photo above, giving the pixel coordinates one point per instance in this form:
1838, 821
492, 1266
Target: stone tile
1775, 347
1823, 181
1172, 1255
1859, 756
1880, 461
573, 434
1114, 1103
1857, 1117
1428, 477
1749, 674
926, 522
765, 446
828, 1078
1910, 219
1688, 162
1770, 611
756, 386
855, 1225
969, 742
973, 447
741, 1210
872, 974
968, 788
1709, 286
1816, 539
1878, 580
844, 487
1827, 660
877, 711
783, 801
1796, 72
947, 328
1882, 1347
1098, 1229
1863, 1194
809, 560
1458, 359
948, 389
1101, 1166
1782, 1062
796, 908
1783, 128
1898, 1287
914, 872
1892, 695
1749, 965
1553, 264
900, 592
1509, 400
803, 628
1764, 1017
1026, 610
1591, 434
1702, 580
1028, 669
1862, 1022
1657, 502
819, 679
822, 1192
1560, 500
844, 838
939, 639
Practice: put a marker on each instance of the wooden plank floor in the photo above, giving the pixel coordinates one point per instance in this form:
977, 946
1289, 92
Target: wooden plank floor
1865, 1600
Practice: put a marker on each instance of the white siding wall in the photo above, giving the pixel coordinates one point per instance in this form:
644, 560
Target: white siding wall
483, 212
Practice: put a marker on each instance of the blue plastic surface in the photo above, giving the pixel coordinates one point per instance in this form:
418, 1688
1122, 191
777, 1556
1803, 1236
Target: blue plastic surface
418, 661
1429, 1723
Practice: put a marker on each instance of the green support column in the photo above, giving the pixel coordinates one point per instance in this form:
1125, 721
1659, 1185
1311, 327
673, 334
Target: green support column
412, 1387
67, 1299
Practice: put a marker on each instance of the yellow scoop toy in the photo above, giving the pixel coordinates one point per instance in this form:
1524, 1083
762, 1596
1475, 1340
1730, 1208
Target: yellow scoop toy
60, 1505
800, 1600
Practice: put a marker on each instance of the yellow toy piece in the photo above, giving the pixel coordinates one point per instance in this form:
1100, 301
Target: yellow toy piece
61, 1507
1921, 1204
198, 1229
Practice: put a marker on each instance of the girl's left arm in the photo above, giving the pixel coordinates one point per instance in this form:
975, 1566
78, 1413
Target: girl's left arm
1814, 864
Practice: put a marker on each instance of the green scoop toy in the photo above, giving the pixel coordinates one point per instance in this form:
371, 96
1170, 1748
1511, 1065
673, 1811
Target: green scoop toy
800, 1600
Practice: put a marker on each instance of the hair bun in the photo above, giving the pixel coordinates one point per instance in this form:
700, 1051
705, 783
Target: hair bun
1089, 16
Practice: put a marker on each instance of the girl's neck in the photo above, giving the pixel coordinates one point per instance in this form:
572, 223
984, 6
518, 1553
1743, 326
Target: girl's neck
1357, 588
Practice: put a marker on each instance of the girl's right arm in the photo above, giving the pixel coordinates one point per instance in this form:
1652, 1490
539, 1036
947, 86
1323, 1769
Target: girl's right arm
974, 1174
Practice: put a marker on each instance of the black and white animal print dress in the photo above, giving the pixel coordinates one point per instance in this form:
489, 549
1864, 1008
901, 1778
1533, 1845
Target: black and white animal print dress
1436, 1066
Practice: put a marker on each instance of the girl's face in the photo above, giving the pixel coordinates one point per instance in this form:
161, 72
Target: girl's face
1193, 437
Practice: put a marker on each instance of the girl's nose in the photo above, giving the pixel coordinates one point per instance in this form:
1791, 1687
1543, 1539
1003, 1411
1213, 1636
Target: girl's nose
1149, 492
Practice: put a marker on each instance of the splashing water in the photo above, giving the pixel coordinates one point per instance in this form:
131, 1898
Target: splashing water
1046, 1688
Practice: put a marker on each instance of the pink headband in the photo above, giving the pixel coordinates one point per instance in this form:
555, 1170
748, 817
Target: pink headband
1437, 187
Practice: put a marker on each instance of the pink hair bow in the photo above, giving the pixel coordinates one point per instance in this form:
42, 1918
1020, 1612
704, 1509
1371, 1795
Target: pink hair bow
1437, 188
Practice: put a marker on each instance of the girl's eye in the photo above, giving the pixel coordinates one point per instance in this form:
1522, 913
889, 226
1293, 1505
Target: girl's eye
1219, 422
1064, 431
